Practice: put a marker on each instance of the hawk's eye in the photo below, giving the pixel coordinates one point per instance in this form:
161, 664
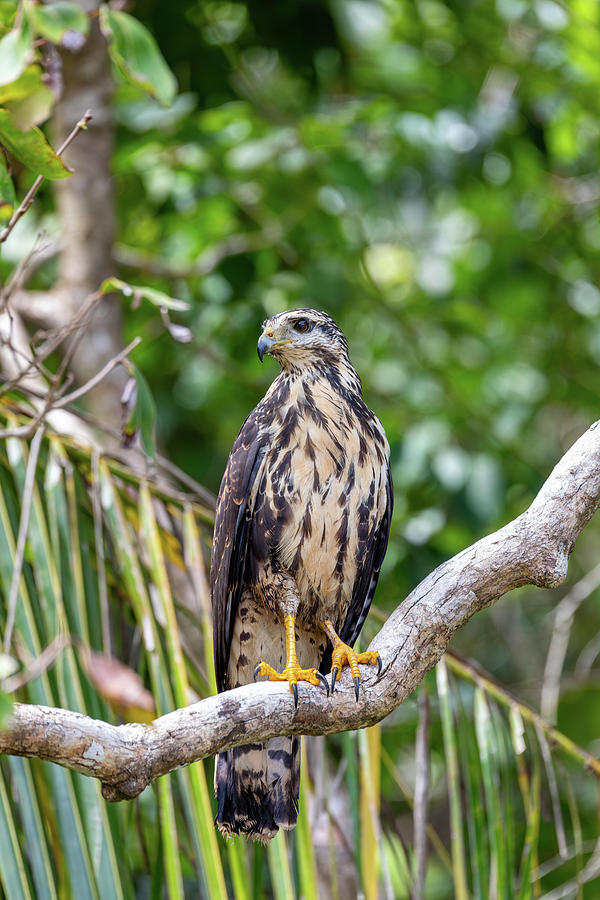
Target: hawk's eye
302, 326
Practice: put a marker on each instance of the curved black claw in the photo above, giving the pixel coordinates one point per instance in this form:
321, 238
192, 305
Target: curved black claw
379, 666
295, 693
356, 687
323, 680
334, 675
256, 671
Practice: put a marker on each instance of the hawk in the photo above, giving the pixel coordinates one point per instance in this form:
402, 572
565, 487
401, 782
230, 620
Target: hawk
301, 529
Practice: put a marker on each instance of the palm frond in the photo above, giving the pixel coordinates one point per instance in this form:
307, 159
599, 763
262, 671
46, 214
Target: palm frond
114, 562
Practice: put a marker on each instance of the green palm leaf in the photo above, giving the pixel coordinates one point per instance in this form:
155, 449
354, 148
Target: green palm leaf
113, 562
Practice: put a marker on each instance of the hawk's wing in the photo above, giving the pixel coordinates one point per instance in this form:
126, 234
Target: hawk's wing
368, 570
232, 532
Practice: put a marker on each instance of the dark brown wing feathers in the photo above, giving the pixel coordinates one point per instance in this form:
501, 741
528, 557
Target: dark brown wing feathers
364, 586
232, 532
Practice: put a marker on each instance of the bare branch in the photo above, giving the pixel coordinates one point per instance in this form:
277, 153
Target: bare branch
207, 262
533, 549
104, 371
42, 250
30, 195
38, 664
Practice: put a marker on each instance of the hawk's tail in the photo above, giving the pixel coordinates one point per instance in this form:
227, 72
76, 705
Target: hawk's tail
257, 788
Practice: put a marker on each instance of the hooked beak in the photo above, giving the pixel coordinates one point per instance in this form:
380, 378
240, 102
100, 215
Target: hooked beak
264, 345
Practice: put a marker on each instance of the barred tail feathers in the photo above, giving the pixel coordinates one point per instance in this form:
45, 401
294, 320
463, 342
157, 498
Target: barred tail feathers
257, 788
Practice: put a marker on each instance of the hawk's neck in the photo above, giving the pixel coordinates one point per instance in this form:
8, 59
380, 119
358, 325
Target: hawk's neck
339, 374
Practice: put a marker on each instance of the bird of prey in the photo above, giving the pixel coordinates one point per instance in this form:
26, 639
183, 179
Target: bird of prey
302, 524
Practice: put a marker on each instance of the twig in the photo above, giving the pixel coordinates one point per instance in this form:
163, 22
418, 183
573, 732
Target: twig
533, 549
23, 431
38, 254
203, 494
207, 262
19, 365
37, 665
53, 339
204, 499
75, 342
586, 658
30, 195
559, 826
13, 593
474, 673
590, 871
436, 841
52, 400
98, 377
577, 848
559, 642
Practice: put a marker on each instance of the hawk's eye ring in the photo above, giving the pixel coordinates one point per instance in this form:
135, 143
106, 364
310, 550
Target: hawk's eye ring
302, 326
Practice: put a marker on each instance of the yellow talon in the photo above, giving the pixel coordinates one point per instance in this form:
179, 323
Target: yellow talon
292, 673
343, 655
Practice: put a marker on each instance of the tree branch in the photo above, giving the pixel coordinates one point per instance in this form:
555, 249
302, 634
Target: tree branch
30, 195
532, 549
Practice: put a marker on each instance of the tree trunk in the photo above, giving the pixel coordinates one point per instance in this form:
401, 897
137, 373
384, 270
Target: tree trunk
86, 209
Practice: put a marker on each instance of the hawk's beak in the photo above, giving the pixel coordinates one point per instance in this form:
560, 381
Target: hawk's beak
264, 345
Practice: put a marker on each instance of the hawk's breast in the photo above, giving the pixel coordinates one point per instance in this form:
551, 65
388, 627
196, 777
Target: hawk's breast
322, 494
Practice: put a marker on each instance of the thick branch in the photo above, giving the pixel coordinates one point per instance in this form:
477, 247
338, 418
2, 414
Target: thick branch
533, 549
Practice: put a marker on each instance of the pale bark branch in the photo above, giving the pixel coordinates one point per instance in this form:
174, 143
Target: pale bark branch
532, 549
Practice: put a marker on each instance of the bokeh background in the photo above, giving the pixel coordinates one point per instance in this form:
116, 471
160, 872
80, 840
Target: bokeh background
428, 173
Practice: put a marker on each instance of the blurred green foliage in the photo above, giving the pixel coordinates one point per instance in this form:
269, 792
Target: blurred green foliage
427, 172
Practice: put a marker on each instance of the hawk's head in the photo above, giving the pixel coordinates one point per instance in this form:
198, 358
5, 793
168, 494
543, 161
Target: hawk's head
302, 338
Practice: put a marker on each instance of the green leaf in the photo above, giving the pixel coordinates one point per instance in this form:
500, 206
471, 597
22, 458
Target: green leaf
489, 755
13, 877
532, 834
279, 867
143, 412
32, 109
168, 828
7, 192
140, 292
35, 838
31, 148
6, 706
195, 788
305, 850
135, 53
25, 84
475, 813
14, 50
454, 786
60, 23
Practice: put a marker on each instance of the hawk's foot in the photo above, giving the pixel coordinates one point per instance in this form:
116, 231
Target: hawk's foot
343, 655
292, 674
